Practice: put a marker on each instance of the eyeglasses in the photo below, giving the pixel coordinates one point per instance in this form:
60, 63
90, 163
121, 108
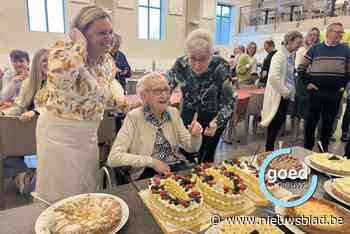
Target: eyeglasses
199, 59
339, 32
159, 92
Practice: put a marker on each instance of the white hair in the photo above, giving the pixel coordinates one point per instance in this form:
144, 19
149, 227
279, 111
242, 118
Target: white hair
144, 82
199, 40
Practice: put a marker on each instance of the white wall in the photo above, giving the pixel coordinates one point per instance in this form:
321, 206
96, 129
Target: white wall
14, 32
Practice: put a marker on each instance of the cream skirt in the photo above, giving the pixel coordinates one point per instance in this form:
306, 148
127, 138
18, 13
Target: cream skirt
68, 158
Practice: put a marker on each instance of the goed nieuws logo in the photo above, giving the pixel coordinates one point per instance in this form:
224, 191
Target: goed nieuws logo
283, 174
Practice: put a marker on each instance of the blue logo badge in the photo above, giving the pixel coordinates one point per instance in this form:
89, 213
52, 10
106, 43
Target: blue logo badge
269, 196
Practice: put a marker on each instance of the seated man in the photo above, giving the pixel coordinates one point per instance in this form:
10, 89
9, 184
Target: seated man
12, 79
150, 134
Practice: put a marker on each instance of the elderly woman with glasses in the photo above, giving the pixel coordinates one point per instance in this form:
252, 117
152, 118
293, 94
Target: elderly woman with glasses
207, 91
150, 134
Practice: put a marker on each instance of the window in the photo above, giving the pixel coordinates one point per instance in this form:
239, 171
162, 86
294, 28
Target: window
224, 24
151, 19
46, 15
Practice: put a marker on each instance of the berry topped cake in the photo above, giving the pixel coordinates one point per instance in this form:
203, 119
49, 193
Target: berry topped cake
222, 189
176, 198
249, 174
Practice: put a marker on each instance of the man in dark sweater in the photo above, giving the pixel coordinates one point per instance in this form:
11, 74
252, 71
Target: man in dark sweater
269, 47
328, 65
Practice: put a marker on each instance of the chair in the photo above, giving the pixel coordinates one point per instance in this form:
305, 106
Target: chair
254, 109
230, 133
17, 139
106, 133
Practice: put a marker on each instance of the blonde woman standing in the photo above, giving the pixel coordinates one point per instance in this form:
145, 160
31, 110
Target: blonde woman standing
26, 106
80, 86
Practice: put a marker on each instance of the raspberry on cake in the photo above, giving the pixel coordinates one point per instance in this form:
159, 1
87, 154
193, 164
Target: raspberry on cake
250, 176
222, 189
176, 198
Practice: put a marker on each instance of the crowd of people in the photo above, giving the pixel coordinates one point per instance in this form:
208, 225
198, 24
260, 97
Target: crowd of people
69, 86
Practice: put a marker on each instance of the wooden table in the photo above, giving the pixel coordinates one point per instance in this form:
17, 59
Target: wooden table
22, 220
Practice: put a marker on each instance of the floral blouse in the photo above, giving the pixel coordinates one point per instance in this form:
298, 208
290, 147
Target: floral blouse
77, 90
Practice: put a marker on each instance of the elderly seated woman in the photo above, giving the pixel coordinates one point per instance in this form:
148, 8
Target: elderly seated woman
151, 134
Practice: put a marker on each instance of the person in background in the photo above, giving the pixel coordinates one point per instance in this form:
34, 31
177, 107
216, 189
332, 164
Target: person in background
123, 67
280, 89
151, 134
235, 58
80, 86
328, 64
301, 96
205, 82
247, 66
269, 47
26, 106
12, 79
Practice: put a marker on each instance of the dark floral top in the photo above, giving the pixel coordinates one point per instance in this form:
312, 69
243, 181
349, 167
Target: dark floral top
209, 94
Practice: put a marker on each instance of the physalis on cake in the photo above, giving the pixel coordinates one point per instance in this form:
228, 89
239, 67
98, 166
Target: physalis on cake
250, 176
176, 198
222, 189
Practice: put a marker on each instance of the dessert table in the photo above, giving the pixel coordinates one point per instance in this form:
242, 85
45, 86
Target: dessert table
22, 220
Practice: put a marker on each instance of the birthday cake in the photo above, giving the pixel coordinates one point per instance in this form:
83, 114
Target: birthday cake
250, 176
221, 189
175, 198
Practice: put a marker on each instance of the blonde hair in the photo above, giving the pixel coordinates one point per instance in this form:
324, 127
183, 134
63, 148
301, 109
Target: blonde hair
143, 83
199, 40
308, 34
36, 78
249, 45
88, 15
330, 28
291, 36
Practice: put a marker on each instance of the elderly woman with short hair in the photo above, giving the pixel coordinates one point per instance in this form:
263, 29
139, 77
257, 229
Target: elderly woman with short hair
80, 86
150, 134
280, 89
206, 86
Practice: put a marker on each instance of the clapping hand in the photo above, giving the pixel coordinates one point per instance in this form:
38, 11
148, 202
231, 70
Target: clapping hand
211, 129
195, 128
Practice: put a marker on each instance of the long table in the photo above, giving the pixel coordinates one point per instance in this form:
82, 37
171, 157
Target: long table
22, 220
